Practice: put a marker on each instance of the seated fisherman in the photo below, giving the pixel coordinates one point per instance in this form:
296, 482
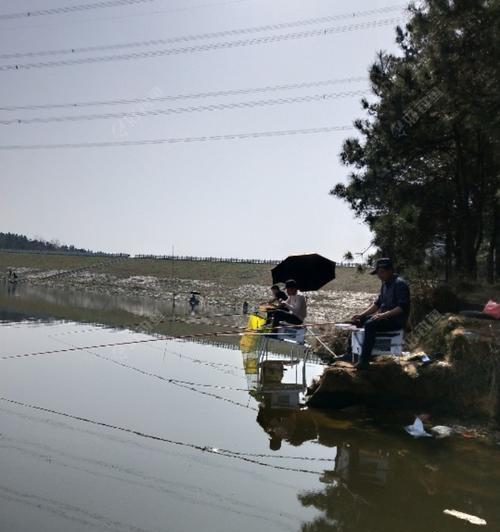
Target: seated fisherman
388, 312
293, 310
278, 295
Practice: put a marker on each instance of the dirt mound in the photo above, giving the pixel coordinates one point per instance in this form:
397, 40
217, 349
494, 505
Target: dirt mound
462, 380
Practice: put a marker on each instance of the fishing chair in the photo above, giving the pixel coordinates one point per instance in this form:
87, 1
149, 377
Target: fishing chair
386, 342
292, 333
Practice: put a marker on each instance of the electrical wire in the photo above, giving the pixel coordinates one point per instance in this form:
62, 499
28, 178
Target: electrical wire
72, 9
203, 36
135, 15
203, 47
193, 95
180, 110
177, 140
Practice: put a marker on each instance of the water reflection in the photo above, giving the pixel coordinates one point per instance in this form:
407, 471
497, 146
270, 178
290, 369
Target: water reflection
380, 486
177, 317
381, 480
277, 377
369, 476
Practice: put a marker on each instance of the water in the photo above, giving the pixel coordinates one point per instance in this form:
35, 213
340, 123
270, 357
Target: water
184, 436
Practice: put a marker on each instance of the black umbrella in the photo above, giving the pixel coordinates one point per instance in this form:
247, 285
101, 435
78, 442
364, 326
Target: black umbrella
311, 271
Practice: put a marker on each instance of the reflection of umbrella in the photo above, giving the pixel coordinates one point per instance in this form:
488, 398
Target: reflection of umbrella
311, 271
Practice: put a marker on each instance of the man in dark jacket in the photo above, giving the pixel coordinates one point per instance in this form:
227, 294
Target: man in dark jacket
388, 312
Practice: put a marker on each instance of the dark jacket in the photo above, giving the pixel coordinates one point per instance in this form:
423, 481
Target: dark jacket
394, 293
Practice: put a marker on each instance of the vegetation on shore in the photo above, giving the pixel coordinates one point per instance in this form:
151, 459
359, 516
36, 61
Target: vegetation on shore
426, 168
22, 242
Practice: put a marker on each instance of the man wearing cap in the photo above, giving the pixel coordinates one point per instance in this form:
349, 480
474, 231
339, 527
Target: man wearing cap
294, 309
388, 312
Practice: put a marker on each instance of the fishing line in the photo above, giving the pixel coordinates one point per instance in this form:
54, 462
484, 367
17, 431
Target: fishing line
181, 382
130, 342
218, 366
175, 382
210, 363
161, 339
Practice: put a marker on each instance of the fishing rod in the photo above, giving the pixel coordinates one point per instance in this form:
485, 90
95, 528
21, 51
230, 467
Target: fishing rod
238, 332
132, 342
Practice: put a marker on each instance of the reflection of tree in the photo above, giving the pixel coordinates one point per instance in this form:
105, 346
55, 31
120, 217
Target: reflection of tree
380, 484
338, 509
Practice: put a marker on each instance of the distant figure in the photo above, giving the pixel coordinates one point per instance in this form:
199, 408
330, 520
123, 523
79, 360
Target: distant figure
245, 307
293, 310
12, 278
193, 301
278, 295
388, 312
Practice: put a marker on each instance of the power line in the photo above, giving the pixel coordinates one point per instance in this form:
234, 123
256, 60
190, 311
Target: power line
135, 15
195, 95
192, 109
204, 47
72, 9
177, 140
203, 36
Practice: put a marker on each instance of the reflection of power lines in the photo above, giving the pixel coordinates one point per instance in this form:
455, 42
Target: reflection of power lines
211, 450
70, 512
133, 477
192, 109
225, 45
203, 36
115, 438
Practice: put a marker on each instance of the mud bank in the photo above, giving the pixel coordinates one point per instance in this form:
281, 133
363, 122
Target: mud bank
325, 305
462, 380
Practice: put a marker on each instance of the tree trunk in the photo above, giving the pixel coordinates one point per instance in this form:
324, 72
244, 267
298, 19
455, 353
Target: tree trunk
466, 231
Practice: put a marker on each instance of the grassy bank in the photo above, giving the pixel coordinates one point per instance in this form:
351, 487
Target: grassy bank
229, 274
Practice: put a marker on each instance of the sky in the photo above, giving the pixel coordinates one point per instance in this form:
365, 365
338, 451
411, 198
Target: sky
263, 197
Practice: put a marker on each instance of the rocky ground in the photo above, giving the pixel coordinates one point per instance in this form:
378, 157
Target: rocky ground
461, 381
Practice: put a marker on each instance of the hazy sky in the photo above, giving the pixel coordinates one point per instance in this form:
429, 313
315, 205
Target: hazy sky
259, 197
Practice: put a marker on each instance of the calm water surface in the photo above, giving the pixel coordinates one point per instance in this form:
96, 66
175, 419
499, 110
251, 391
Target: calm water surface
183, 436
